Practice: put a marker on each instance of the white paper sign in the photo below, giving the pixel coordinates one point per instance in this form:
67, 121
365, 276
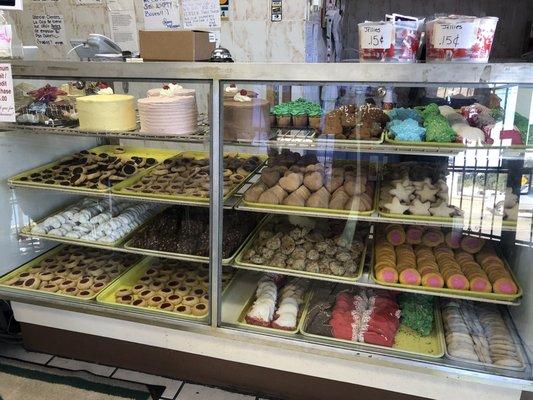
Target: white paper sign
161, 14
201, 14
49, 30
454, 35
120, 5
376, 36
124, 29
7, 99
88, 2
6, 39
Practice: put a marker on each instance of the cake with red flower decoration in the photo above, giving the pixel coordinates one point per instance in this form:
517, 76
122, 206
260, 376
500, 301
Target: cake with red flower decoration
246, 117
48, 105
106, 111
170, 110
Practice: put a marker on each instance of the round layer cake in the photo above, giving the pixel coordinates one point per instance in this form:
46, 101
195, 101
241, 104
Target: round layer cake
246, 118
106, 112
169, 111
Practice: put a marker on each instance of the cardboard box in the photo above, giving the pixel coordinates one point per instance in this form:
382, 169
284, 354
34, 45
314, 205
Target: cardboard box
180, 45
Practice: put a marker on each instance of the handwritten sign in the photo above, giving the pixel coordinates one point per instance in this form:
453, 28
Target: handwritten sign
124, 29
454, 35
6, 38
376, 36
7, 99
49, 30
201, 14
161, 14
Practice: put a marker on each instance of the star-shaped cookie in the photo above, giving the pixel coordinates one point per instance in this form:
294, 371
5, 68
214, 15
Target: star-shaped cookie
419, 208
427, 193
395, 206
402, 192
442, 210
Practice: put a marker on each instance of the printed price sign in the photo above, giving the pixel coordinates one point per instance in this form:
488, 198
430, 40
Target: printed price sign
7, 99
376, 36
454, 35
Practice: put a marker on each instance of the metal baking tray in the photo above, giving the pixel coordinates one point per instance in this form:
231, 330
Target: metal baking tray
26, 231
515, 339
465, 293
122, 187
239, 263
321, 211
158, 154
434, 344
48, 254
188, 257
242, 319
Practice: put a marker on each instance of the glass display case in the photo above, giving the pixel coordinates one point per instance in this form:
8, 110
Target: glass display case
322, 219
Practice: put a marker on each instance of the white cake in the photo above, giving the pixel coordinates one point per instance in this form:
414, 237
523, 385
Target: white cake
106, 112
169, 111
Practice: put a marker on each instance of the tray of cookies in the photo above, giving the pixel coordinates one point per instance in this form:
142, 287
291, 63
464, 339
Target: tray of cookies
417, 190
171, 287
93, 221
481, 334
71, 271
95, 170
276, 305
400, 323
185, 177
312, 248
441, 261
292, 182
186, 234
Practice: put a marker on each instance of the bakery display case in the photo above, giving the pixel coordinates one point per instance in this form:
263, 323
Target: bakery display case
316, 219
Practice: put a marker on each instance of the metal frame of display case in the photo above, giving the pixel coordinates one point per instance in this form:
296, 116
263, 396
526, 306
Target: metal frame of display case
479, 75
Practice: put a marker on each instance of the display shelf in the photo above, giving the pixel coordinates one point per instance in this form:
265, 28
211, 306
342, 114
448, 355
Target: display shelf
307, 139
243, 289
200, 136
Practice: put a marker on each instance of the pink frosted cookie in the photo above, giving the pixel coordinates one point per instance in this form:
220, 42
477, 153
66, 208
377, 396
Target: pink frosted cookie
387, 274
410, 276
504, 286
453, 239
479, 284
395, 234
414, 235
432, 237
472, 244
457, 281
433, 279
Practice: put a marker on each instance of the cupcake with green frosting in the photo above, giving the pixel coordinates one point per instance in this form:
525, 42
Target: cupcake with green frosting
282, 114
315, 116
299, 114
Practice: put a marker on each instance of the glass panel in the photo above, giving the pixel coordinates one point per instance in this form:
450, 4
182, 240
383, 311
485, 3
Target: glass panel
120, 216
388, 219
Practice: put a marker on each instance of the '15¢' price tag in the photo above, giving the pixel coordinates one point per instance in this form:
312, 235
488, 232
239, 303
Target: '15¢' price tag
376, 36
454, 35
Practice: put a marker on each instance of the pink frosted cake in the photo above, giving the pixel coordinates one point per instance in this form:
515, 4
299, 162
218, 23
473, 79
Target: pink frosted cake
169, 111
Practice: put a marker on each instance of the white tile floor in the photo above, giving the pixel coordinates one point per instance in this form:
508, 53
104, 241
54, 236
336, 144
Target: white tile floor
174, 389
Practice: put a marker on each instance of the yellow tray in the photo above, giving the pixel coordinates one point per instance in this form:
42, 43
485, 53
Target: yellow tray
122, 187
158, 154
466, 293
292, 272
26, 231
453, 145
242, 319
189, 257
130, 278
322, 211
37, 260
406, 341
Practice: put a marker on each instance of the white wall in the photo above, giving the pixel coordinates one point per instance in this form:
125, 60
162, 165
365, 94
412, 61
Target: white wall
248, 34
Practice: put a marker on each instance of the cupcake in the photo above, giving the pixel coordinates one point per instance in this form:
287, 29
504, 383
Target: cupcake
315, 116
299, 118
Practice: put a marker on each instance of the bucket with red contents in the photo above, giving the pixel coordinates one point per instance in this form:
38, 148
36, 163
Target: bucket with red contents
460, 38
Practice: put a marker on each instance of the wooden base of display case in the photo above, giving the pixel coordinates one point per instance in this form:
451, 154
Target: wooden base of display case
194, 368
